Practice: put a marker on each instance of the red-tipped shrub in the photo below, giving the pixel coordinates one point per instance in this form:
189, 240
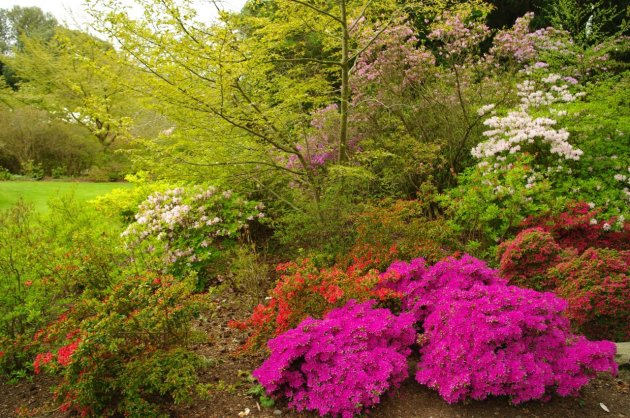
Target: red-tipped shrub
597, 286
581, 227
526, 259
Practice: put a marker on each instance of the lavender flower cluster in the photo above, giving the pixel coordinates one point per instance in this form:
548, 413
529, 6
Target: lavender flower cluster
342, 364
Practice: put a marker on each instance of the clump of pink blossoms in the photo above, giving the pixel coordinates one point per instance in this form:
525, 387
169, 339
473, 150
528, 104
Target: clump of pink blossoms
342, 364
481, 338
422, 288
507, 341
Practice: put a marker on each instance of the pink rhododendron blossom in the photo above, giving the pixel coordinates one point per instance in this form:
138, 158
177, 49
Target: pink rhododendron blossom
519, 44
458, 36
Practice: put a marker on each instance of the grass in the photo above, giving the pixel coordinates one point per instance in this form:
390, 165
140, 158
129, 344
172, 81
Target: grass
38, 193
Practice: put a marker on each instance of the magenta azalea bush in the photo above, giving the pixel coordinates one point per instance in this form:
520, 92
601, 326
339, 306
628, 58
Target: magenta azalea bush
505, 340
422, 288
342, 364
480, 338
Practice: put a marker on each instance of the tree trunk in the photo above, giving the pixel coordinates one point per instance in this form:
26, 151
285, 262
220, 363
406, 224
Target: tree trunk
345, 88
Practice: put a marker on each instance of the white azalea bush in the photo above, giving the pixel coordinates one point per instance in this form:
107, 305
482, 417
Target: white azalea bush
189, 227
550, 148
528, 147
530, 127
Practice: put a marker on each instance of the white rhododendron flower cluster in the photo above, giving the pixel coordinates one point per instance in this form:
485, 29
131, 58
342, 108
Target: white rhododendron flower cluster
532, 96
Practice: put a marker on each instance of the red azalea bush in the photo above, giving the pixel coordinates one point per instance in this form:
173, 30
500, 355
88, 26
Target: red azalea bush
341, 364
303, 290
581, 227
597, 286
503, 340
121, 354
524, 261
594, 280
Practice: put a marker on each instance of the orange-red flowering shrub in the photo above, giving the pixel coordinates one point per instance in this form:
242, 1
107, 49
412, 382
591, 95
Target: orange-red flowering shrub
304, 291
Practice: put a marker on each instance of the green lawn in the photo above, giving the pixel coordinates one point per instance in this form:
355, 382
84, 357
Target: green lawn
38, 193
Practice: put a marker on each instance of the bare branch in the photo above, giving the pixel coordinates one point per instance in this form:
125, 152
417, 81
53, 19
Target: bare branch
320, 11
374, 38
325, 62
356, 22
231, 163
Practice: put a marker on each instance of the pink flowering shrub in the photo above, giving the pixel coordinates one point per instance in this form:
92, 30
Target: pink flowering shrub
506, 341
459, 35
401, 275
423, 288
189, 227
342, 364
519, 44
304, 291
321, 146
393, 62
481, 338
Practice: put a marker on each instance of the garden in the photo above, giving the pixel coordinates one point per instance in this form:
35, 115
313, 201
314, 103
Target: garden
316, 208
